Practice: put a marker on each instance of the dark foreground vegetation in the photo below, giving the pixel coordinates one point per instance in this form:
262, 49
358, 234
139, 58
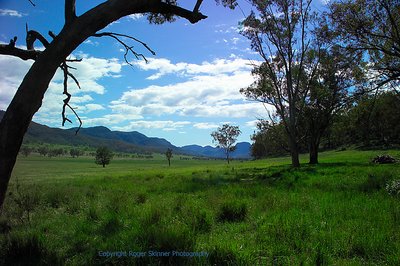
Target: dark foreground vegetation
344, 211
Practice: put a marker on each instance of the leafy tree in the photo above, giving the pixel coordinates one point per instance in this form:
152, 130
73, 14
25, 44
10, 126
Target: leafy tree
75, 152
169, 155
269, 140
25, 150
280, 33
336, 74
76, 30
43, 150
225, 137
103, 156
371, 27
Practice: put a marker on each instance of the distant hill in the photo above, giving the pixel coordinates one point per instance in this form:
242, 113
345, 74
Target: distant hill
121, 141
242, 151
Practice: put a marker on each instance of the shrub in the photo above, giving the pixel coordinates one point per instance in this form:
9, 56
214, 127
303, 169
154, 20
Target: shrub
223, 256
393, 187
384, 159
232, 212
376, 182
27, 251
141, 198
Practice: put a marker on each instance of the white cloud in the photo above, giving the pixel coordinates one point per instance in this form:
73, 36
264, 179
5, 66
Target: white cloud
11, 13
89, 73
166, 125
252, 123
135, 16
205, 125
12, 71
164, 66
209, 89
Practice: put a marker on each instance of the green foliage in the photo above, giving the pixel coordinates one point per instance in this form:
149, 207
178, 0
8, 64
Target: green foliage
225, 138
103, 156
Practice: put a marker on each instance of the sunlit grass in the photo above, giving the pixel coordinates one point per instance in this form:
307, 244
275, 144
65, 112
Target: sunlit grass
255, 212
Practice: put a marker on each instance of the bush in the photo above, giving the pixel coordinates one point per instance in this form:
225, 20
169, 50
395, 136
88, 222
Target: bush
376, 182
224, 256
384, 159
232, 212
393, 187
27, 251
141, 198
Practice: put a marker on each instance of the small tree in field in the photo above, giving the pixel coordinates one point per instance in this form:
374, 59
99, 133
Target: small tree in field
225, 137
168, 154
25, 150
103, 156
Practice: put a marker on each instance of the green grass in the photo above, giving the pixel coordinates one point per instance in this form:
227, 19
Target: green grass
66, 211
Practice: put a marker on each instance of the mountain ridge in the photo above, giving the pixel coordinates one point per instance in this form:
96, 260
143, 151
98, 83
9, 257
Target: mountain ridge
132, 142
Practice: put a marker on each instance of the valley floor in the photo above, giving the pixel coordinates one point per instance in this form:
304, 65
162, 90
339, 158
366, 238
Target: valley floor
142, 212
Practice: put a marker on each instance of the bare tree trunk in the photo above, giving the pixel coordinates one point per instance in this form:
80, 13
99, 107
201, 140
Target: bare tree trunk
294, 151
314, 152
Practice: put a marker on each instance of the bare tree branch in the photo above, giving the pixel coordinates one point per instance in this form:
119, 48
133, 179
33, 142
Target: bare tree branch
127, 47
14, 51
193, 16
66, 104
70, 11
197, 6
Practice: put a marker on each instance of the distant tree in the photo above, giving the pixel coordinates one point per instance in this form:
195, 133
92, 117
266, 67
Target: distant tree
225, 137
75, 152
25, 150
43, 150
169, 155
103, 156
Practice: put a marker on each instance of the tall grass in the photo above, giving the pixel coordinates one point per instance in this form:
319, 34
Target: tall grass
250, 213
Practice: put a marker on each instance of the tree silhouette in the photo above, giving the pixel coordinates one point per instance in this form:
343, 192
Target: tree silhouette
76, 29
225, 137
169, 155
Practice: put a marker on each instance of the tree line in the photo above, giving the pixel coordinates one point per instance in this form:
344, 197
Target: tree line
321, 70
372, 121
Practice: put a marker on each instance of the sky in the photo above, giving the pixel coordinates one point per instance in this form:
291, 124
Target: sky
183, 93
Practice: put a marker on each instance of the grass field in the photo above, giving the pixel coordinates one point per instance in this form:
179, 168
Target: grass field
71, 211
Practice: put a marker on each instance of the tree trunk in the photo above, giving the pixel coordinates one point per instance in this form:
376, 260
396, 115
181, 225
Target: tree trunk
294, 152
169, 162
313, 153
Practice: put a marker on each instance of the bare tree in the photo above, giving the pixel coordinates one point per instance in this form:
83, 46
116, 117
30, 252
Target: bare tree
225, 137
76, 29
169, 155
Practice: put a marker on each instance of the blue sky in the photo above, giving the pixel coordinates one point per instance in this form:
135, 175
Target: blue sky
188, 89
